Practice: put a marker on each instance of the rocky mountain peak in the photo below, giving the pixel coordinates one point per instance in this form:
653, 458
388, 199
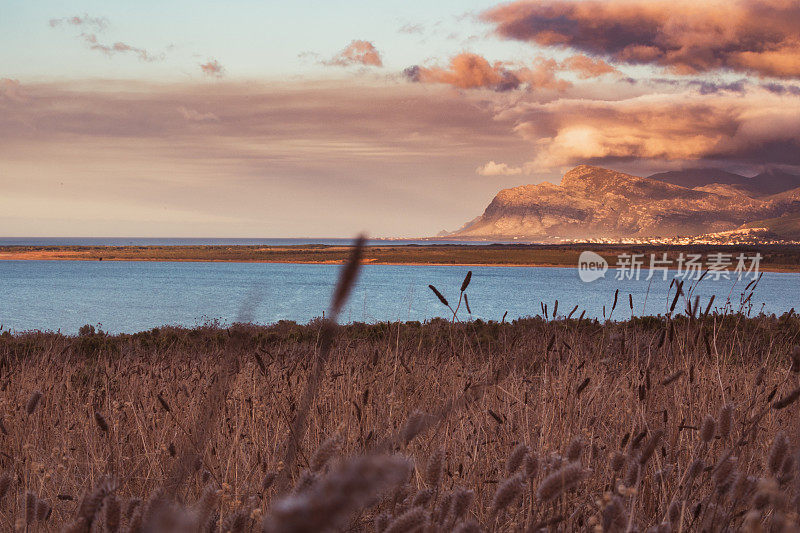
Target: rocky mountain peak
592, 202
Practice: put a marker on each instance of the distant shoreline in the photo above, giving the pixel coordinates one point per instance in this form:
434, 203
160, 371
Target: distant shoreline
775, 258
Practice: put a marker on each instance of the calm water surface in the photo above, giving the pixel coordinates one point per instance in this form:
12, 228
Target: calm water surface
134, 296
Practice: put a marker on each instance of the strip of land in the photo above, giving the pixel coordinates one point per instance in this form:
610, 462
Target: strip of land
778, 258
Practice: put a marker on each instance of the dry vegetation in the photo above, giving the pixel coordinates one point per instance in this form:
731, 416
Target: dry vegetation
656, 424
774, 257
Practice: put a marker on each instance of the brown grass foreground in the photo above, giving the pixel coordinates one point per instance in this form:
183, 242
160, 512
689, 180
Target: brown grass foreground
673, 424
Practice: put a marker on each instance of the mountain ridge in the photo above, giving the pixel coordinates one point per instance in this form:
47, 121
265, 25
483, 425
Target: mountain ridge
769, 182
596, 202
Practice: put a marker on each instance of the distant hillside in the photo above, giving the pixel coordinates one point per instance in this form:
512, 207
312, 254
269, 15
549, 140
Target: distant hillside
594, 202
699, 177
767, 183
786, 227
775, 181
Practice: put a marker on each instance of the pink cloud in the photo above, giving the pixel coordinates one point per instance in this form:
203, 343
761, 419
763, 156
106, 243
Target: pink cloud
498, 169
472, 71
761, 37
412, 29
119, 47
98, 23
213, 68
586, 67
11, 90
760, 128
357, 53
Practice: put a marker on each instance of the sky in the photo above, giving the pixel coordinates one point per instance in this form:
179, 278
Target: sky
399, 119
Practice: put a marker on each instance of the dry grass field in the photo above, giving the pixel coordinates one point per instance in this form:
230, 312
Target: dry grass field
675, 423
531, 425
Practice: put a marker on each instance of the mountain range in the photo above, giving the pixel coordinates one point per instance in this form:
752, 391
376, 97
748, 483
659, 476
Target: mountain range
593, 202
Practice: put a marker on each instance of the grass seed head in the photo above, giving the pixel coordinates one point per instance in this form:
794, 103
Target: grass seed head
32, 403
777, 452
725, 420
409, 522
708, 428
516, 457
433, 470
506, 493
560, 481
575, 449
531, 465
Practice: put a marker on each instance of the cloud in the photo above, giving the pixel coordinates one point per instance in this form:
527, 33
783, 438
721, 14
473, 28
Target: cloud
780, 88
759, 37
357, 53
119, 48
762, 128
11, 90
498, 169
308, 55
98, 23
472, 71
213, 68
412, 29
283, 124
196, 116
91, 40
304, 157
709, 87
587, 67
